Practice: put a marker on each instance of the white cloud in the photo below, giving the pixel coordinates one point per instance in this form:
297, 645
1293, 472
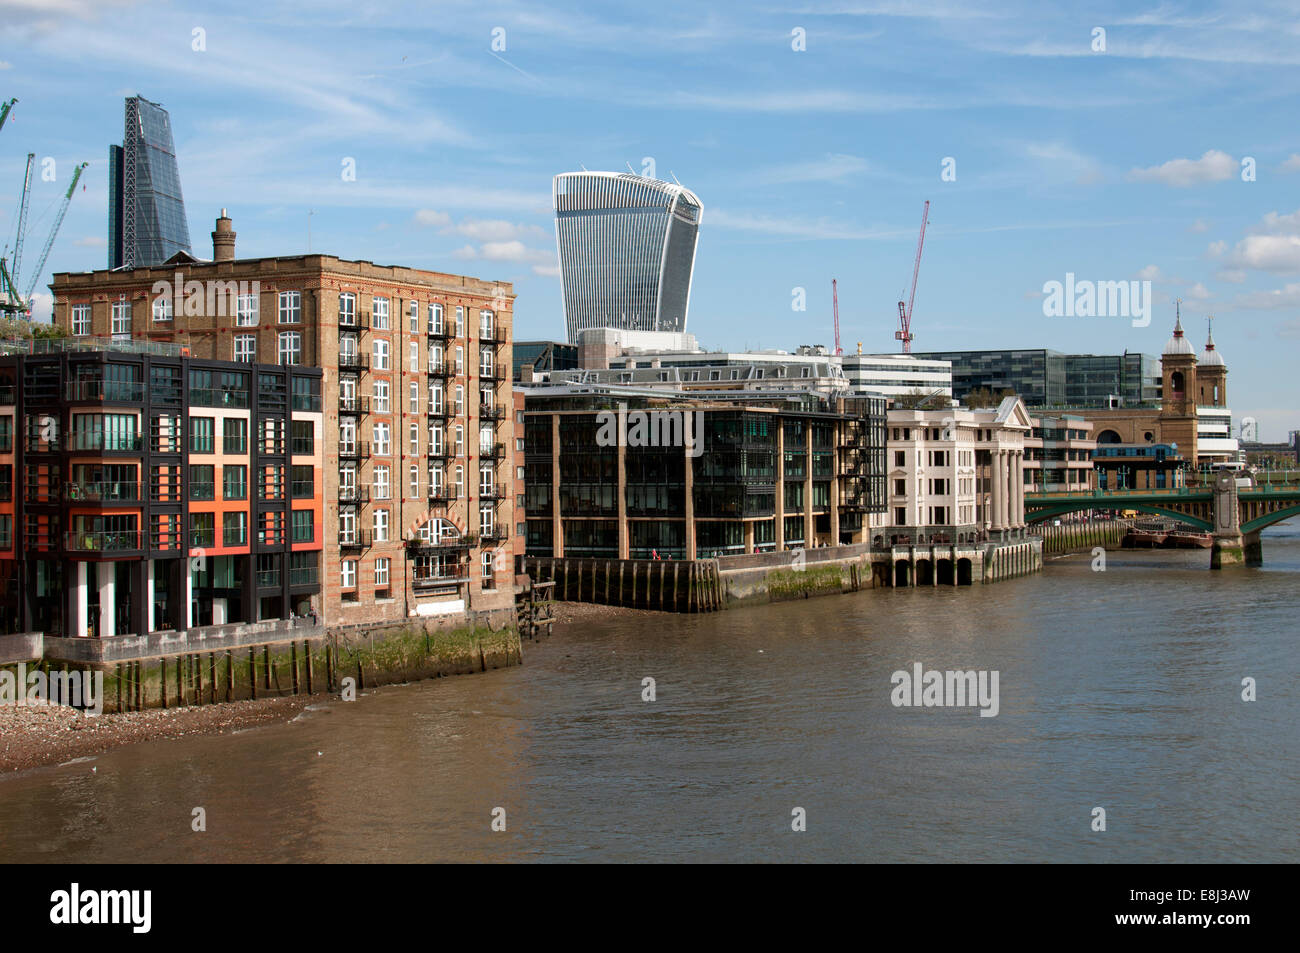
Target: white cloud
547, 271
92, 241
1276, 253
833, 167
1150, 273
1216, 249
1276, 223
1287, 297
428, 216
1214, 166
513, 251
1233, 276
1292, 164
42, 306
1198, 292
495, 230
1198, 227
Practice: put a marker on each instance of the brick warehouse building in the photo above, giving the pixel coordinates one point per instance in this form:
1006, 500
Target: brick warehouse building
143, 490
419, 513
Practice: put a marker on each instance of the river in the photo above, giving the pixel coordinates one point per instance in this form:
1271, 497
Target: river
1118, 689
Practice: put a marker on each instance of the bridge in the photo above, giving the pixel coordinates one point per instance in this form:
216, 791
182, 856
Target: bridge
1234, 515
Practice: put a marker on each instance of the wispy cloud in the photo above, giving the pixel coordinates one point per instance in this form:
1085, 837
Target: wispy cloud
1213, 166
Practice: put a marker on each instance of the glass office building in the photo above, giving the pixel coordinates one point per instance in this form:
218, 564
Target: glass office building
146, 211
1046, 378
627, 250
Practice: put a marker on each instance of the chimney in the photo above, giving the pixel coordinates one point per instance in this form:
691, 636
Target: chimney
223, 239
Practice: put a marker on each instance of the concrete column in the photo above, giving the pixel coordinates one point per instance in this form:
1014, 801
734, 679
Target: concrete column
557, 522
1018, 488
998, 482
80, 602
749, 536
688, 464
780, 484
188, 579
107, 579
624, 534
150, 607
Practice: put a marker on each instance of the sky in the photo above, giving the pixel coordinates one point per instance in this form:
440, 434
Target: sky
1113, 141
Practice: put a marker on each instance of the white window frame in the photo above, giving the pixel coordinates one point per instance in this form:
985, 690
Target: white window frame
413, 396
381, 389
247, 354
413, 316
246, 311
162, 308
348, 573
435, 318
415, 357
347, 309
381, 572
80, 320
379, 313
381, 526
383, 440
294, 339
380, 352
382, 485
120, 320
290, 308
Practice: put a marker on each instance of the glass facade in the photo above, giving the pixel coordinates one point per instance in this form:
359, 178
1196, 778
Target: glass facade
1045, 378
627, 251
146, 210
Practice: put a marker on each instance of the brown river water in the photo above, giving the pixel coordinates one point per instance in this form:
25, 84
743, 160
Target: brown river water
1118, 689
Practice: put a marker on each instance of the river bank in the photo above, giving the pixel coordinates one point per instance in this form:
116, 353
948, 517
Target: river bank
39, 736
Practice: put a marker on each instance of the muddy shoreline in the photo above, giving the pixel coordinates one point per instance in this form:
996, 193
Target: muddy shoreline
41, 736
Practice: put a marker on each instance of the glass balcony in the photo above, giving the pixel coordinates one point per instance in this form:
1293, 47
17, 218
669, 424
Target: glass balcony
103, 542
102, 492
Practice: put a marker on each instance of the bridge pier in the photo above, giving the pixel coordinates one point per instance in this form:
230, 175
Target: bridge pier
1254, 549
1228, 551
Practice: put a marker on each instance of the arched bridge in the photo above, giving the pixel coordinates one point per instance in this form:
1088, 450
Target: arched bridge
1235, 515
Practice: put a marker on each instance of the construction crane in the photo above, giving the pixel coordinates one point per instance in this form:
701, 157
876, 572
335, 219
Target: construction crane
49, 242
4, 111
13, 302
904, 332
835, 309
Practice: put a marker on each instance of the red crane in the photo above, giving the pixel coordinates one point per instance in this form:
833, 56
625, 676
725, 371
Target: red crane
904, 332
835, 307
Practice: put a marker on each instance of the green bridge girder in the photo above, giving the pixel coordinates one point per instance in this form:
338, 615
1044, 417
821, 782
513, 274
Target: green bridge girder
1041, 506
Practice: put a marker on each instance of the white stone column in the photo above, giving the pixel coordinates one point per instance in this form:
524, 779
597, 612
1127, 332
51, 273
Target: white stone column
80, 602
998, 482
107, 600
1020, 488
151, 623
189, 594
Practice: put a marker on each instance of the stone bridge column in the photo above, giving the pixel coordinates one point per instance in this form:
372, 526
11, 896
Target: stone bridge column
1229, 548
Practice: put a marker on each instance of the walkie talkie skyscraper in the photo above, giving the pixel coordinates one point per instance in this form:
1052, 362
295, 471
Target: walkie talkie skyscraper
627, 251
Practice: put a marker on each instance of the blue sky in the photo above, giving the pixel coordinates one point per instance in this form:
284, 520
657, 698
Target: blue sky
812, 164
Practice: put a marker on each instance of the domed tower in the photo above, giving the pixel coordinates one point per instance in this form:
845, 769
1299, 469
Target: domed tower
1178, 391
1211, 375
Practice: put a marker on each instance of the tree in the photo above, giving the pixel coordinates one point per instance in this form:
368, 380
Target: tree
918, 399
984, 397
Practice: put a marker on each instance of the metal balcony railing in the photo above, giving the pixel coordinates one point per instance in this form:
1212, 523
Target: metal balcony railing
443, 496
104, 542
101, 492
356, 450
428, 581
493, 413
354, 362
357, 406
97, 391
354, 323
93, 440
351, 495
355, 540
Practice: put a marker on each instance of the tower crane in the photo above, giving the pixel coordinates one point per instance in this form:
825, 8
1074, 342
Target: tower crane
835, 308
49, 242
13, 302
4, 111
904, 332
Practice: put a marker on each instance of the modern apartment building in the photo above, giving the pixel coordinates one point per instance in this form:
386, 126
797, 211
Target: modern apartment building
146, 210
757, 472
627, 251
419, 513
141, 489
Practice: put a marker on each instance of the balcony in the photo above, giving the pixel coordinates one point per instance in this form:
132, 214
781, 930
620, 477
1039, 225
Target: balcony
355, 406
496, 451
95, 392
268, 579
355, 541
356, 450
442, 412
493, 413
304, 576
354, 363
443, 545
354, 323
107, 542
493, 374
444, 370
354, 495
427, 581
8, 395
441, 453
493, 335
105, 443
213, 397
102, 492
443, 496
498, 534
491, 493
444, 333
